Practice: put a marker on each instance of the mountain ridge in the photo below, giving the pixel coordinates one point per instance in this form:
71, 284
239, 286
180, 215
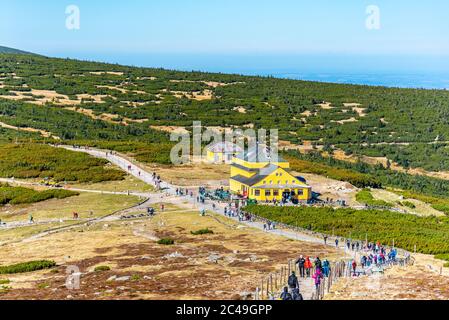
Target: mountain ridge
9, 50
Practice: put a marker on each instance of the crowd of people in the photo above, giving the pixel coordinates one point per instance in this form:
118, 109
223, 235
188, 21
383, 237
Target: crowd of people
316, 270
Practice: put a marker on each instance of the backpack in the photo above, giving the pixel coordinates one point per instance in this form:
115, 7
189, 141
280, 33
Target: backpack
296, 295
286, 296
292, 281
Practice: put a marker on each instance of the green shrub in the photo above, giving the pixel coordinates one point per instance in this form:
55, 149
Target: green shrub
408, 204
4, 289
27, 267
365, 196
27, 161
102, 268
43, 285
429, 234
201, 232
20, 195
166, 241
136, 277
4, 281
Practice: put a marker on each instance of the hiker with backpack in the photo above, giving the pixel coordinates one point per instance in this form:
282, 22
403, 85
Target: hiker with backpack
317, 263
300, 262
326, 268
318, 276
293, 281
296, 295
285, 295
363, 261
354, 267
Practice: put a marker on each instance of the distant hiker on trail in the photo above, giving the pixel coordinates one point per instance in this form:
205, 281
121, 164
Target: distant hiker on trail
363, 261
348, 244
308, 266
264, 227
317, 263
336, 243
326, 268
285, 295
317, 277
354, 267
325, 240
31, 218
293, 281
301, 262
162, 207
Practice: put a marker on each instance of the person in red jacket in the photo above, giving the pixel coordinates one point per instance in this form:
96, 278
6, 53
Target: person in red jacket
354, 267
308, 266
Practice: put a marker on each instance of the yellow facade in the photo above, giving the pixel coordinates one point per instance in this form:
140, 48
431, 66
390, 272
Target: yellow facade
265, 181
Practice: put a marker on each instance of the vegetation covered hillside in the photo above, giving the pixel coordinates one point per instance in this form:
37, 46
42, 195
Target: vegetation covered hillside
12, 51
74, 100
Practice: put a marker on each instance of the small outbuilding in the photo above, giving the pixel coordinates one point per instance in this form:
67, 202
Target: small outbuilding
223, 152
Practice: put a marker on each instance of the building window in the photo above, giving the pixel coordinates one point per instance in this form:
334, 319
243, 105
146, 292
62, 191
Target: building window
275, 193
267, 193
257, 193
300, 192
264, 182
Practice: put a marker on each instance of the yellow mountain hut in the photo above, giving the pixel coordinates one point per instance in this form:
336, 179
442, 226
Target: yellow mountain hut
258, 178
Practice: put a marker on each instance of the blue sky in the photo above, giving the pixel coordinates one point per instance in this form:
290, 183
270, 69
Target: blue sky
228, 26
244, 36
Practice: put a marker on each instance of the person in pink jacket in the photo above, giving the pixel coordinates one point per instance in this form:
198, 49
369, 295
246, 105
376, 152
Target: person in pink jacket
317, 277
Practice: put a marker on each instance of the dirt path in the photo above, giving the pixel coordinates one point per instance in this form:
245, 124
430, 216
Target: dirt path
169, 190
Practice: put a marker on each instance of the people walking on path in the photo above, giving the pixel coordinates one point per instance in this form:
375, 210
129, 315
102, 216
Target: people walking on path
296, 295
301, 262
317, 277
317, 263
354, 267
326, 268
308, 266
293, 281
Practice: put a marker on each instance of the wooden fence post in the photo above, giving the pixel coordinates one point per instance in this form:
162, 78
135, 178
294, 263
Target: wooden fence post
268, 288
